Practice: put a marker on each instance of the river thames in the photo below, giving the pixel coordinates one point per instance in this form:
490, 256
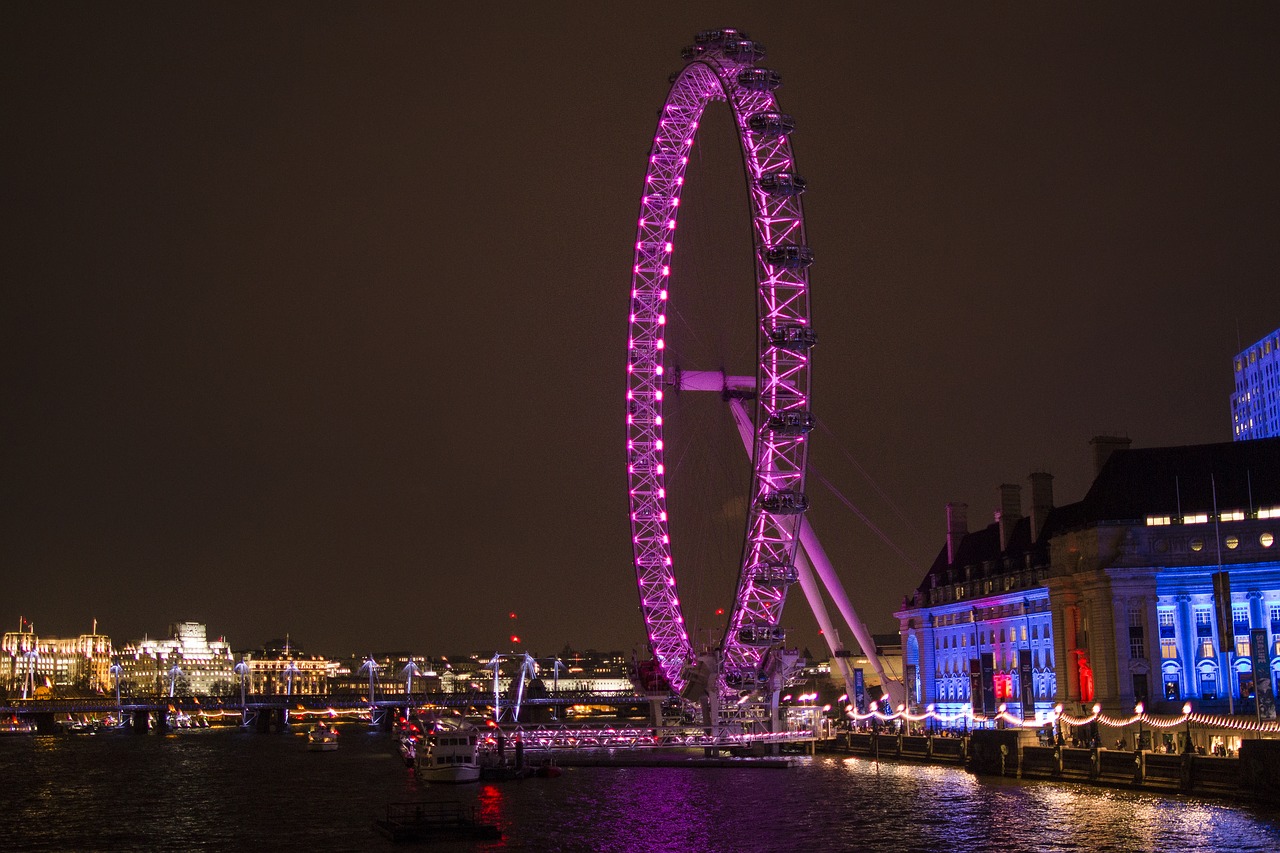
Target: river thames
216, 790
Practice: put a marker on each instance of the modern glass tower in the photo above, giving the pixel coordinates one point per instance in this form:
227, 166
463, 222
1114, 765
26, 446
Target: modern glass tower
1255, 405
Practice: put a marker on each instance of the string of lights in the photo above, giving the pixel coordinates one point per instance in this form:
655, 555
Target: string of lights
1057, 715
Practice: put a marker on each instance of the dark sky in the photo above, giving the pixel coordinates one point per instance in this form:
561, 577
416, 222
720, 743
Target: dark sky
314, 314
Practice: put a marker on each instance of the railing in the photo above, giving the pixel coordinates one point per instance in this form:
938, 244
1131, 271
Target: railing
574, 737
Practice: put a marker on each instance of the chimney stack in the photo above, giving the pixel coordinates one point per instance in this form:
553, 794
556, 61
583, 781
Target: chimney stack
1104, 446
1009, 513
1041, 501
957, 528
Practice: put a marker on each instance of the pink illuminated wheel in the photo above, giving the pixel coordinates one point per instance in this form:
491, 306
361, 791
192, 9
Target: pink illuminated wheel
721, 66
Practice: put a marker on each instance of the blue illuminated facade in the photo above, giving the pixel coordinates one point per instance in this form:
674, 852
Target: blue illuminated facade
1109, 600
1255, 404
982, 618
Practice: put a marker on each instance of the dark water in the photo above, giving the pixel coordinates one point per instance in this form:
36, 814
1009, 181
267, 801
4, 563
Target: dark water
227, 790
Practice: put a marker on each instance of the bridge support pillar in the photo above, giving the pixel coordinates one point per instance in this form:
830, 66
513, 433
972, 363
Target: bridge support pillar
45, 724
268, 720
161, 718
139, 724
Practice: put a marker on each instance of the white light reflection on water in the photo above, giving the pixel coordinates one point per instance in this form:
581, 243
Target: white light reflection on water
968, 813
234, 791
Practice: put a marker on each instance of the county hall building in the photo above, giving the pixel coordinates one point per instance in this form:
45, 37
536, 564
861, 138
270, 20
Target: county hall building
1109, 600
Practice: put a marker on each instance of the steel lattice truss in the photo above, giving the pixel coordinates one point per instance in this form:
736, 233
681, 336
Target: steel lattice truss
720, 66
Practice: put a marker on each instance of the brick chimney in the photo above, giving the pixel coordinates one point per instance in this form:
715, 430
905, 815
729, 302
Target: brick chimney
1103, 446
957, 528
1041, 501
1009, 513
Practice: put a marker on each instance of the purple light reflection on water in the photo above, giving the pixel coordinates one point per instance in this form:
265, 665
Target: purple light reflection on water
837, 804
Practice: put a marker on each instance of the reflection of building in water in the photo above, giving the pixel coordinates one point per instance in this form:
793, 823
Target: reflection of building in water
61, 666
1110, 599
186, 663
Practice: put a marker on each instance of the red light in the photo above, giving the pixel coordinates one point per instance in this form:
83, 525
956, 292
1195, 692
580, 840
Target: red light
719, 611
514, 638
512, 614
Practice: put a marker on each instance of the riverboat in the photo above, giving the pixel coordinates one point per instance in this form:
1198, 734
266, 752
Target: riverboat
448, 754
322, 738
16, 725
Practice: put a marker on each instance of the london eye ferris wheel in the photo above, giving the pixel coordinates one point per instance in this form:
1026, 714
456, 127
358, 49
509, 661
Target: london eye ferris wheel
772, 408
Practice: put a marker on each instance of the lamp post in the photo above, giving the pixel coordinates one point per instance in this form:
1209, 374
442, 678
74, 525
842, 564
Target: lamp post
1186, 710
1137, 710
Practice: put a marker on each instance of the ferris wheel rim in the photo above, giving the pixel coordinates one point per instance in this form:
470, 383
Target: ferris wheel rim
721, 65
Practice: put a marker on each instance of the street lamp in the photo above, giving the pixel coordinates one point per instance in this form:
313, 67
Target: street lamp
1186, 711
1137, 710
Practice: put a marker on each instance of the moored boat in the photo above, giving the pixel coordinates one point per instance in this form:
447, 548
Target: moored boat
448, 754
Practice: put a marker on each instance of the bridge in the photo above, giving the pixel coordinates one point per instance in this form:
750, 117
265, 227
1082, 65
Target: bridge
274, 712
269, 711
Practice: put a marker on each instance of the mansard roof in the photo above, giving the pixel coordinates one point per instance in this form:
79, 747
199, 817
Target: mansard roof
1175, 481
1133, 484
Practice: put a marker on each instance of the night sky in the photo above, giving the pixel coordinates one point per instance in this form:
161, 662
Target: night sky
315, 314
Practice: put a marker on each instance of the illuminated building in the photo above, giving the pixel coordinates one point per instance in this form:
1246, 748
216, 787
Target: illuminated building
1255, 404
389, 672
980, 622
1109, 599
30, 663
281, 667
186, 663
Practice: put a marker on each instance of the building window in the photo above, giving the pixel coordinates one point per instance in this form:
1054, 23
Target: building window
1197, 544
1159, 520
1265, 540
1137, 646
1196, 518
1233, 515
1204, 622
1208, 685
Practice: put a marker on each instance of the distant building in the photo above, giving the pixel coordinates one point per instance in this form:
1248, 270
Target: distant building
1110, 599
1255, 404
282, 667
186, 663
30, 663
